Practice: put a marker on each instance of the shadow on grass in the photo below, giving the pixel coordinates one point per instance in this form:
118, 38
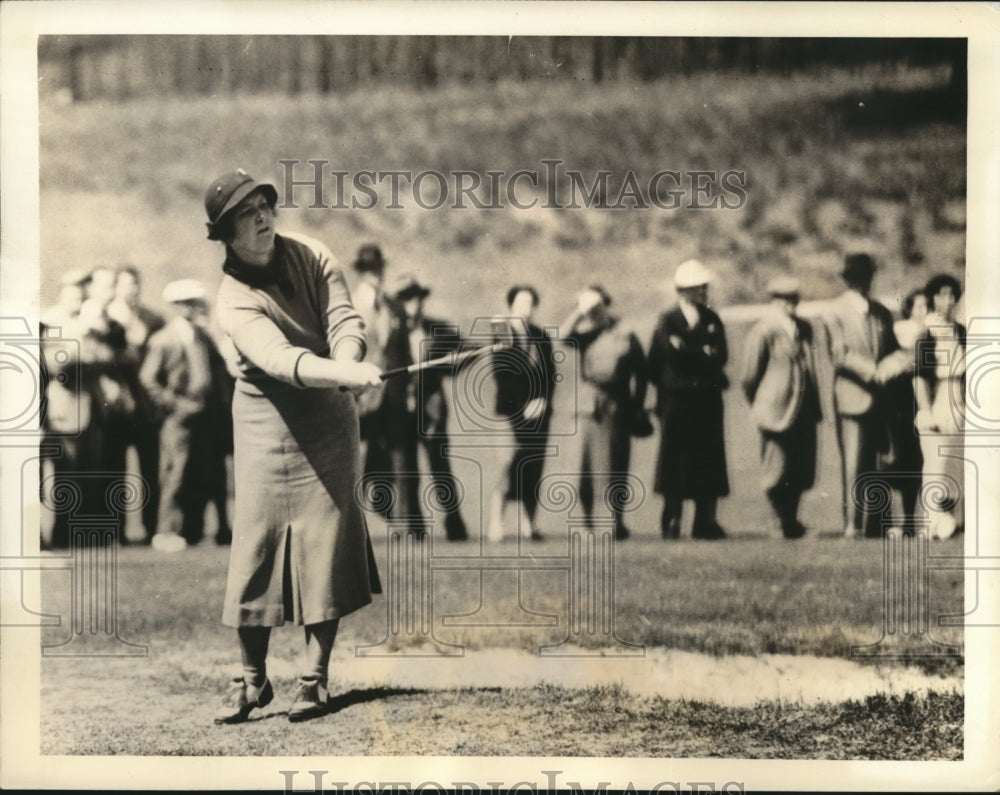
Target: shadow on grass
369, 694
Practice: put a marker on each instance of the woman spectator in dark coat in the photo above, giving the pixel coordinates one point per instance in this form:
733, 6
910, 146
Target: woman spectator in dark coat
686, 359
525, 380
300, 548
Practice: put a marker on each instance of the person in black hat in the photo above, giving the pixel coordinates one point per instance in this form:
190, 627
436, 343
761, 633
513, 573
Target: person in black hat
779, 381
300, 550
414, 411
862, 344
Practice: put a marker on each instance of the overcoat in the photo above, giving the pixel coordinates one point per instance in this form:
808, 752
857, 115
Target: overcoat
300, 548
686, 368
779, 381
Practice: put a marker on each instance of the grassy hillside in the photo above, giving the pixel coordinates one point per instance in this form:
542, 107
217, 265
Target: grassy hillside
833, 161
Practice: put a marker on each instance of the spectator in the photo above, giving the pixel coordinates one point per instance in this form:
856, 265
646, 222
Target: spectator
687, 355
612, 394
187, 381
862, 344
940, 393
779, 381
371, 302
85, 396
903, 461
140, 323
525, 382
414, 410
116, 383
72, 292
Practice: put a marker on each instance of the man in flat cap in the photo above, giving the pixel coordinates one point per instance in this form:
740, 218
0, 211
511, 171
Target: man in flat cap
187, 380
686, 359
862, 344
779, 381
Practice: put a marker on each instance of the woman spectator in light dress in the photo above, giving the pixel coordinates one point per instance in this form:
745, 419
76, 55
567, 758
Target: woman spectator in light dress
939, 387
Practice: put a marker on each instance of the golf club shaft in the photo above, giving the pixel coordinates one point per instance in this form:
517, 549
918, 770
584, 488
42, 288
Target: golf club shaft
451, 359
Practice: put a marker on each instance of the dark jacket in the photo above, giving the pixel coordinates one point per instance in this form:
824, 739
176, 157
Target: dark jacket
423, 392
688, 367
524, 372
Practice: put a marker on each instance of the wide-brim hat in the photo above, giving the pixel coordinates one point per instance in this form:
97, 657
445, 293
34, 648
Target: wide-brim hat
691, 274
227, 191
408, 286
784, 287
369, 259
183, 290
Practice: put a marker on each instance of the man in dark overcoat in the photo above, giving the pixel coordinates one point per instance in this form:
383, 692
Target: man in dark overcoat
779, 381
687, 355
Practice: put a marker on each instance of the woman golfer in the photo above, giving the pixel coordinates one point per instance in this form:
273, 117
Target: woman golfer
300, 548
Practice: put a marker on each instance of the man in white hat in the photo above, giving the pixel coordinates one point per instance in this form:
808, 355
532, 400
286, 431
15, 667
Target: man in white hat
779, 381
187, 380
687, 355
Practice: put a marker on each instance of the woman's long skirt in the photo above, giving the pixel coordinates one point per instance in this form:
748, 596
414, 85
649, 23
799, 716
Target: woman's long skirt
300, 550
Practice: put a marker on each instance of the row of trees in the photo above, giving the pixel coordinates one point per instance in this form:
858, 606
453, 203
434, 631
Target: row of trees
89, 67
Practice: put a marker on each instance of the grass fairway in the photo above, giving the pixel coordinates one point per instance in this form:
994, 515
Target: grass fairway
747, 597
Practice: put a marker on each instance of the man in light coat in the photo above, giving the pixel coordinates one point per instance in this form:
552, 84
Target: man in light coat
779, 381
187, 379
863, 349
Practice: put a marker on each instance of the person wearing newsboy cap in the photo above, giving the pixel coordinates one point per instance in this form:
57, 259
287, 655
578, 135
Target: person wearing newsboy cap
779, 381
687, 355
862, 350
186, 380
300, 550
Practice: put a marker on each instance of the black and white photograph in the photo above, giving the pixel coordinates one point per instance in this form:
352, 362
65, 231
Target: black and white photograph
499, 397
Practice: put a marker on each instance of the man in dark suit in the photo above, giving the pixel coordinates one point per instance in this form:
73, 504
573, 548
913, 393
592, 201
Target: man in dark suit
779, 381
187, 380
862, 348
686, 359
525, 380
414, 410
